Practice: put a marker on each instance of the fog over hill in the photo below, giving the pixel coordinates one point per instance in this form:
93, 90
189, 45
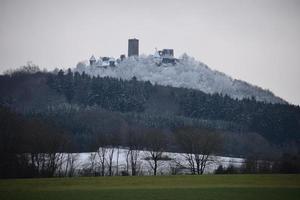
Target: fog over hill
186, 73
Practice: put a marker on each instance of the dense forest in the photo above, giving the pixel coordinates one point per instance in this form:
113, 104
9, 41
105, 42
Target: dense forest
78, 108
42, 92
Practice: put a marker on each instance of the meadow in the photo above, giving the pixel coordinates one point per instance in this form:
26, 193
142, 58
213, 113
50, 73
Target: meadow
205, 187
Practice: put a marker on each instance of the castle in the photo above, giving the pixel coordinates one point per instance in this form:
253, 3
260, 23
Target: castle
164, 56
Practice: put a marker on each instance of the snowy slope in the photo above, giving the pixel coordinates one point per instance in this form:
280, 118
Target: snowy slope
83, 161
187, 73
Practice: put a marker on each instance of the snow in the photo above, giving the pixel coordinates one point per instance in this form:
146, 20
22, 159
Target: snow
187, 73
164, 167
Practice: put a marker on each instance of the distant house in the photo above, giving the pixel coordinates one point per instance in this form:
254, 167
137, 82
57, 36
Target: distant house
165, 56
102, 62
122, 57
92, 60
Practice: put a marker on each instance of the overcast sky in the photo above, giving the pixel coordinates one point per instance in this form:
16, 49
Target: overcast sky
254, 40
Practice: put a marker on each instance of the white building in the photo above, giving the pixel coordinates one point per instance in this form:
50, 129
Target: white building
102, 62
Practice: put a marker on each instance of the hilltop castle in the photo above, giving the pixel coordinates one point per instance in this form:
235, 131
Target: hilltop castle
164, 56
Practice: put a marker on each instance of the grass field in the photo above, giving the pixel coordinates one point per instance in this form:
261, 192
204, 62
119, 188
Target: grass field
206, 187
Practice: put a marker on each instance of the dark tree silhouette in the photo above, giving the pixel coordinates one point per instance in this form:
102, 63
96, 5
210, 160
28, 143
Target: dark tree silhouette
198, 145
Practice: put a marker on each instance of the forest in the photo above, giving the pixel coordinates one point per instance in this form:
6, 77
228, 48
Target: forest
62, 111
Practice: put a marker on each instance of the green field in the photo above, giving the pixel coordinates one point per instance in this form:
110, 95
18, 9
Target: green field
206, 187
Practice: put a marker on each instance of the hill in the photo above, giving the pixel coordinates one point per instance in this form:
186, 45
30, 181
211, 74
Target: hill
186, 73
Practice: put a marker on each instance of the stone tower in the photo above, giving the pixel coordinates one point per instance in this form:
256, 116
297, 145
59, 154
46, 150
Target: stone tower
133, 47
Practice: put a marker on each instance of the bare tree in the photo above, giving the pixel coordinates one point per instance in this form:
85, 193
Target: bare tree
90, 166
198, 145
127, 162
117, 161
102, 152
135, 141
71, 160
155, 142
47, 145
100, 143
109, 160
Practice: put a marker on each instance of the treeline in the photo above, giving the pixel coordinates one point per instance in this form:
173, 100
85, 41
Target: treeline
276, 122
285, 163
28, 147
109, 93
34, 147
31, 147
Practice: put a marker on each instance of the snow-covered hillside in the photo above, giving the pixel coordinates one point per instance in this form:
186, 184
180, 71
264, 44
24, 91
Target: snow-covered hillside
187, 73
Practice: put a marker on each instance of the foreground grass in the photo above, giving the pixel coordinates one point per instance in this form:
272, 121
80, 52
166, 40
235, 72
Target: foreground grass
163, 187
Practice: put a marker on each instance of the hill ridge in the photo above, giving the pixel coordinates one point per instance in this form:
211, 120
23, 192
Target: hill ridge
186, 73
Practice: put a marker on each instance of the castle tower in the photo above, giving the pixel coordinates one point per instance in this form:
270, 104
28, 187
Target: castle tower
133, 47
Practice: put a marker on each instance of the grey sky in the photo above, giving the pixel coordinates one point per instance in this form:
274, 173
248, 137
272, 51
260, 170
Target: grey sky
254, 40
